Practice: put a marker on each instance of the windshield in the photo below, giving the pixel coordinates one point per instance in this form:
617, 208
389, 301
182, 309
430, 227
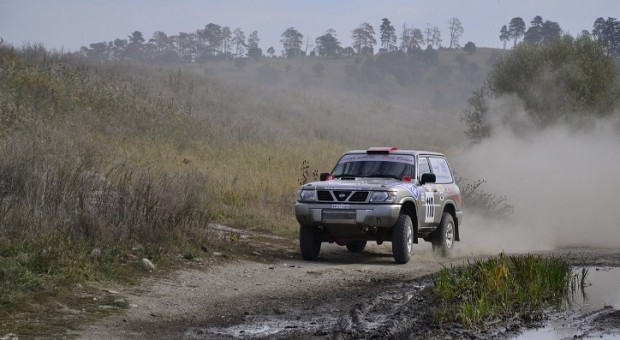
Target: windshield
387, 166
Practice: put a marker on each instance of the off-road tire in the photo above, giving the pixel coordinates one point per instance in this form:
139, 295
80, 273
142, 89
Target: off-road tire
443, 237
356, 246
402, 239
309, 242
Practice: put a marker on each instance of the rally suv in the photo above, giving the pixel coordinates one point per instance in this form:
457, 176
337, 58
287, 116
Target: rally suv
381, 194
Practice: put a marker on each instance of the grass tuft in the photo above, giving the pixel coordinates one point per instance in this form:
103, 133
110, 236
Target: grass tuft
504, 287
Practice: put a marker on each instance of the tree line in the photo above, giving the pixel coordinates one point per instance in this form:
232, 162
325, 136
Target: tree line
215, 42
605, 31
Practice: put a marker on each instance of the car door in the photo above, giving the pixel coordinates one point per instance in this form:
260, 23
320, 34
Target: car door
439, 166
429, 195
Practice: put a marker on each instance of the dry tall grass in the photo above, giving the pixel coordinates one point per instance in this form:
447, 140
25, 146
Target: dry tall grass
103, 163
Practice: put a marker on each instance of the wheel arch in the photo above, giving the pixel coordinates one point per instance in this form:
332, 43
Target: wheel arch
450, 209
409, 208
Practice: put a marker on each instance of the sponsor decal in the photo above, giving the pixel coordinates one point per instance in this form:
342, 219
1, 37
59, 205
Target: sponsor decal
383, 158
430, 209
412, 189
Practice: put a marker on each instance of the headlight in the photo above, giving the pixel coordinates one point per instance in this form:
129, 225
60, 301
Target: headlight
306, 195
383, 196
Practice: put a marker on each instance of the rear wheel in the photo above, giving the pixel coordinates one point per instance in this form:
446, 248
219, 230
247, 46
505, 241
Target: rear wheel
356, 246
309, 242
443, 237
402, 239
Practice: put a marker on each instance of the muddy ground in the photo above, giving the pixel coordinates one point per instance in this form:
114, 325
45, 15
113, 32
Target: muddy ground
342, 296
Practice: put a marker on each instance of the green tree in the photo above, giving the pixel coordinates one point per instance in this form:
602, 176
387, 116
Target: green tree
254, 52
516, 29
253, 40
433, 36
271, 51
542, 31
534, 34
469, 48
238, 41
328, 46
411, 39
291, 42
568, 79
226, 39
119, 48
364, 39
608, 33
211, 38
475, 116
504, 36
551, 30
456, 31
136, 45
387, 34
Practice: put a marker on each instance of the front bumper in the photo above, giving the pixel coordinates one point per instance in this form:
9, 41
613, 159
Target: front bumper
363, 215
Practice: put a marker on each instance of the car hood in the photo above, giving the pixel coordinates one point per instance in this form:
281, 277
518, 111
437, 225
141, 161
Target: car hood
356, 184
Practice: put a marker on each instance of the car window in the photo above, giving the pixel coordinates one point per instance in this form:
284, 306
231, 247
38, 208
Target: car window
423, 166
441, 170
390, 166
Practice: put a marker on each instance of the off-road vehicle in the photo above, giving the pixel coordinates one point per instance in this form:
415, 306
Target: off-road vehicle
381, 194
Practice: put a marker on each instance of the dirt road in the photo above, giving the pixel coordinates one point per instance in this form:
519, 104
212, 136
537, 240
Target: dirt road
344, 295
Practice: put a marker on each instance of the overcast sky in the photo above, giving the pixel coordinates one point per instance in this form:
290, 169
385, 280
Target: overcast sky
70, 24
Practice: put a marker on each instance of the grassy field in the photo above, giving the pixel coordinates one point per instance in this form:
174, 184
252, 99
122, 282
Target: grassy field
102, 164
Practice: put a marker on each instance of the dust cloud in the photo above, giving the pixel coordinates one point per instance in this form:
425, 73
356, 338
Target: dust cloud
562, 181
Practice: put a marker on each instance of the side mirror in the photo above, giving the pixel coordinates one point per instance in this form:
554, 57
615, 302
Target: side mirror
428, 178
323, 176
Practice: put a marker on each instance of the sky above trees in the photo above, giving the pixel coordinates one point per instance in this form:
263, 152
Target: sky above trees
71, 24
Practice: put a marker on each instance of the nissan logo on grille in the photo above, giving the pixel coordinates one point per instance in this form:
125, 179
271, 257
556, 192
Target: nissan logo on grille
342, 195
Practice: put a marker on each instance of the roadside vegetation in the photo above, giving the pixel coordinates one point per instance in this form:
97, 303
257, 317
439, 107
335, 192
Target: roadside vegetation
105, 163
505, 288
102, 165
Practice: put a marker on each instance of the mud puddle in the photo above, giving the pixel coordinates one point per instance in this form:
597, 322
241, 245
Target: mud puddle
593, 314
404, 310
353, 317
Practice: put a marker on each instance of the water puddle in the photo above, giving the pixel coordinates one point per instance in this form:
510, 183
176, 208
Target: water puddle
593, 314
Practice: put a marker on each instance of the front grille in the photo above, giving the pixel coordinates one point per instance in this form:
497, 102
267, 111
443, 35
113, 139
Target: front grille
342, 196
359, 196
324, 195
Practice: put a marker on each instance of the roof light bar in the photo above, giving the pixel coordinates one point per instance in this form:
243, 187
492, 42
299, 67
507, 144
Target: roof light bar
381, 149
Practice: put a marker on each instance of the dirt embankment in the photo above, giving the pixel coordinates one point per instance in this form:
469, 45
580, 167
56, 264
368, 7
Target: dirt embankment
344, 295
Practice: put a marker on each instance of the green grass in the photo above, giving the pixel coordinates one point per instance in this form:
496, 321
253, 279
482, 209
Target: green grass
504, 287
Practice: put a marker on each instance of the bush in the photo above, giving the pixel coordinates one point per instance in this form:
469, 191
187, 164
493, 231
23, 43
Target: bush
469, 48
565, 80
504, 287
478, 200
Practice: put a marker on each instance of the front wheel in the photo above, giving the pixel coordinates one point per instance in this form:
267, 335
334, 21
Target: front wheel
402, 239
443, 237
309, 242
